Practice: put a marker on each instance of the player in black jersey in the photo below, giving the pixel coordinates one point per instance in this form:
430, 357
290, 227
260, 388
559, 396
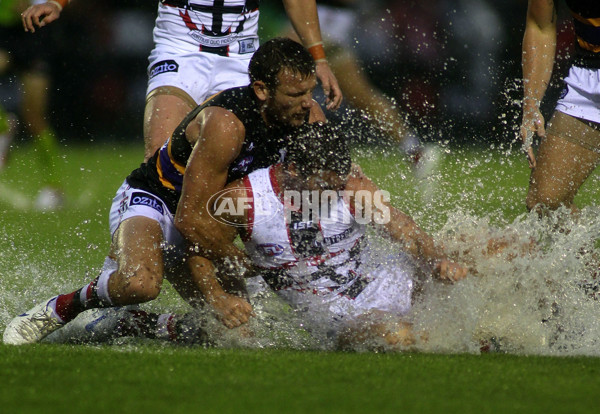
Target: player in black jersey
243, 129
570, 146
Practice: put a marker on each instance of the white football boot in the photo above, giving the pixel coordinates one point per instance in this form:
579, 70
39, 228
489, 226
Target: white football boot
33, 325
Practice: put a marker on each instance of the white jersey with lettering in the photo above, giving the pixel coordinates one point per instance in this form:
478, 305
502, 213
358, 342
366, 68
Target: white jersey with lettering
203, 46
225, 27
320, 263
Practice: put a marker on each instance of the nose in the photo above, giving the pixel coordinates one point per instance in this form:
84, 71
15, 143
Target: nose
307, 101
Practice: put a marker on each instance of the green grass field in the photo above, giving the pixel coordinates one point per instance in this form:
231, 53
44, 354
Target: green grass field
44, 253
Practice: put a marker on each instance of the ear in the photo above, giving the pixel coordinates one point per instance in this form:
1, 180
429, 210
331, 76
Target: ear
260, 90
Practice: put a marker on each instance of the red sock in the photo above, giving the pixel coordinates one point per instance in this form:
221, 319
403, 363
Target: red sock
68, 306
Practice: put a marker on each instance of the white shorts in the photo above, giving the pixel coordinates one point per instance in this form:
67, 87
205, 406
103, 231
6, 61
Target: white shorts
132, 202
177, 59
581, 97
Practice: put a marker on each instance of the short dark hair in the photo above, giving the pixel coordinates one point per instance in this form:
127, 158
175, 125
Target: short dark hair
319, 146
277, 54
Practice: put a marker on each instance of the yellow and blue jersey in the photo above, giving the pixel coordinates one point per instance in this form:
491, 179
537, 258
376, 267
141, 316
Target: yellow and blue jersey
586, 21
163, 173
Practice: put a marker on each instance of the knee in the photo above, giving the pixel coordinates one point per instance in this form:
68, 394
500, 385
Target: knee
141, 286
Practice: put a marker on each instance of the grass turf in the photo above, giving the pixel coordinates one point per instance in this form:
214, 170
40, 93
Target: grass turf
153, 379
58, 379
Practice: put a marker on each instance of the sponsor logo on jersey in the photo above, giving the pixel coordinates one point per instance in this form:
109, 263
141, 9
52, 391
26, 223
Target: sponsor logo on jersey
144, 199
247, 46
303, 225
270, 249
336, 238
163, 66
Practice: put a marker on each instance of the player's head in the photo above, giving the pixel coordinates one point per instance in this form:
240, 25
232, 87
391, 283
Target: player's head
278, 54
320, 156
282, 74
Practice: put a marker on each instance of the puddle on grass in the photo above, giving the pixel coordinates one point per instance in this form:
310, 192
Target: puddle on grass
535, 295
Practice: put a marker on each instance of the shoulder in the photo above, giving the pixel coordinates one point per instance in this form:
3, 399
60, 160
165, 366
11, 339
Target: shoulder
217, 124
316, 113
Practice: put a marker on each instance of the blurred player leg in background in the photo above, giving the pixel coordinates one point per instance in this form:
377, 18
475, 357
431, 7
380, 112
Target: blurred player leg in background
339, 18
8, 125
36, 84
32, 71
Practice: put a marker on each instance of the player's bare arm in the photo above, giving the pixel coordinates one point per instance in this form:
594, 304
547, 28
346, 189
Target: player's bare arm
539, 48
402, 228
304, 19
39, 15
220, 136
231, 309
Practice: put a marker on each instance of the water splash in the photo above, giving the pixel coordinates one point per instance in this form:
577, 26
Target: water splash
532, 295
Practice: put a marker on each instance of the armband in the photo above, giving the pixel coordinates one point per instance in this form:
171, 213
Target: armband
61, 4
317, 51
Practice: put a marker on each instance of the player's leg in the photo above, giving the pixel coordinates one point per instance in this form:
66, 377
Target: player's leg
36, 84
132, 272
564, 161
363, 95
137, 246
166, 107
8, 126
133, 276
381, 110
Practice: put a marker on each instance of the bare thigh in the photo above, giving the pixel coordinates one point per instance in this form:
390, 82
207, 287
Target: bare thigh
138, 249
165, 109
562, 167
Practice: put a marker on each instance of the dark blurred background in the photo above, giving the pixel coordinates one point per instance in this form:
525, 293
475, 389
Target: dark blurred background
452, 65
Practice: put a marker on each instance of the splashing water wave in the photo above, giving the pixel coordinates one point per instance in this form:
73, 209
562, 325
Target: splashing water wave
533, 290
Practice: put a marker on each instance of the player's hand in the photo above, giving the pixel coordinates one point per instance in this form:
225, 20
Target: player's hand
39, 15
449, 271
333, 93
231, 310
531, 126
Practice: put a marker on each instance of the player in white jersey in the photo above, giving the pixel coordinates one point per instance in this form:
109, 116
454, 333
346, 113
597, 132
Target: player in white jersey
302, 222
203, 47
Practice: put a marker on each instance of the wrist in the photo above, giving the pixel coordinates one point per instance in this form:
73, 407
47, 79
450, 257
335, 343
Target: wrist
530, 102
61, 4
317, 51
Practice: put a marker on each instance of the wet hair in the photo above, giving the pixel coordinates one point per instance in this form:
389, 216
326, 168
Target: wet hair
319, 147
277, 54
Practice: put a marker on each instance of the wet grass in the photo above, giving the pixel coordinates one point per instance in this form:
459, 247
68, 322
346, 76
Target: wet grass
43, 252
148, 379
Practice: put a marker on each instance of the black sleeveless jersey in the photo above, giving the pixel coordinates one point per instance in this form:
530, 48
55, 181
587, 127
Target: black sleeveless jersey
586, 21
162, 174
